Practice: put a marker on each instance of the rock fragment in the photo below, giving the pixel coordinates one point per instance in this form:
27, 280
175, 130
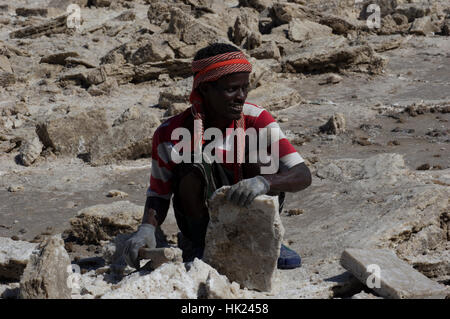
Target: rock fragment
333, 54
59, 58
116, 194
173, 281
74, 134
396, 278
335, 125
268, 50
160, 256
247, 239
103, 222
333, 79
274, 96
14, 256
29, 151
301, 30
52, 26
423, 26
88, 135
47, 273
15, 188
173, 95
190, 30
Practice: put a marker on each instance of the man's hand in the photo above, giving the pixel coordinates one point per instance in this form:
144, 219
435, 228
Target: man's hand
244, 192
145, 236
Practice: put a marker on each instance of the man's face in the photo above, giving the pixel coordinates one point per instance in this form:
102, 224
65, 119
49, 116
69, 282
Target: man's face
225, 98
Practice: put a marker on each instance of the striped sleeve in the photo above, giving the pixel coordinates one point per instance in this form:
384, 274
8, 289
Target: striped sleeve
161, 171
260, 118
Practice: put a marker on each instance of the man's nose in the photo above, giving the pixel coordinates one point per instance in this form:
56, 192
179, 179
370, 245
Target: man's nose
241, 94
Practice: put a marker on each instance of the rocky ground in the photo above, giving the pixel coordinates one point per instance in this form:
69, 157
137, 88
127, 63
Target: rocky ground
78, 108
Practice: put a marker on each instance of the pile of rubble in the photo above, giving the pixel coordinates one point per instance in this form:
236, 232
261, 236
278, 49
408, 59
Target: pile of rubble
84, 63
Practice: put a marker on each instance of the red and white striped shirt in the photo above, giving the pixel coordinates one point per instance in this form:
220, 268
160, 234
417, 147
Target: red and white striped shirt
162, 164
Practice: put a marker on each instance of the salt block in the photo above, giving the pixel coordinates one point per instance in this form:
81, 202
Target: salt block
47, 273
14, 256
389, 276
244, 243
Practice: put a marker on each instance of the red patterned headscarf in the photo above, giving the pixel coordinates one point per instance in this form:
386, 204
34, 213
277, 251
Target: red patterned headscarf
209, 70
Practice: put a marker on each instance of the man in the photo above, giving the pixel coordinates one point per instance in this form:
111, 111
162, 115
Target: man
221, 81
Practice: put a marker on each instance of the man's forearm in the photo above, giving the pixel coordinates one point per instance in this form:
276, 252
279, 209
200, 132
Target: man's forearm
155, 211
292, 180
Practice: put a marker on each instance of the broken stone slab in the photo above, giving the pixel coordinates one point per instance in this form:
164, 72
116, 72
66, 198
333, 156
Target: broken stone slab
340, 25
29, 151
423, 26
73, 134
102, 222
76, 61
58, 58
191, 30
396, 278
90, 137
14, 256
274, 96
283, 13
47, 273
173, 95
159, 12
301, 30
146, 48
245, 32
107, 87
268, 50
333, 54
129, 140
86, 78
52, 26
244, 243
152, 70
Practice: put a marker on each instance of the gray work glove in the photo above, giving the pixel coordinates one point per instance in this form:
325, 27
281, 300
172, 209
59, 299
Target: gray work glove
145, 236
244, 192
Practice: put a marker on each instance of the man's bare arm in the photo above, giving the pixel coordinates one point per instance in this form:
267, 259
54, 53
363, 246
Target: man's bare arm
292, 180
155, 211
